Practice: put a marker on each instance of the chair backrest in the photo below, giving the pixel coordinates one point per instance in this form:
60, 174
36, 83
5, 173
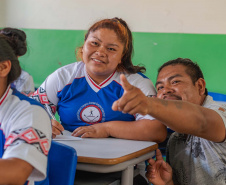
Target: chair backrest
2, 142
62, 164
218, 96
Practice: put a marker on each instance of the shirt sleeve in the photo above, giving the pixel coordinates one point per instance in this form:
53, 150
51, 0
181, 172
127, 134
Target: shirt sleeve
54, 83
221, 110
46, 94
29, 138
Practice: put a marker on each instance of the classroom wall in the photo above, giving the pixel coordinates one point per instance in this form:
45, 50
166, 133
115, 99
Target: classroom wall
162, 30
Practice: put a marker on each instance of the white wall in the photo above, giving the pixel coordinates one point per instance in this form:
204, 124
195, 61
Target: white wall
177, 16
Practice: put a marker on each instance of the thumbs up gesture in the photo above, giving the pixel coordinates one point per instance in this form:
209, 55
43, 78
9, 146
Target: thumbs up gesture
133, 100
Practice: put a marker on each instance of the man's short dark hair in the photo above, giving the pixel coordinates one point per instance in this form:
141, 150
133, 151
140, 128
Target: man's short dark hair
192, 69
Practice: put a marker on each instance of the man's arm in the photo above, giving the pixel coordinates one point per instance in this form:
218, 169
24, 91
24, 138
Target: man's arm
188, 118
14, 171
183, 117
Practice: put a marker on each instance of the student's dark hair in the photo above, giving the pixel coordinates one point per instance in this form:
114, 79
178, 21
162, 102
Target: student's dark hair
120, 27
7, 53
192, 69
16, 39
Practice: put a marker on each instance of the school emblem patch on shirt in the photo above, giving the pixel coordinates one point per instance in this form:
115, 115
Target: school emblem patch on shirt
91, 113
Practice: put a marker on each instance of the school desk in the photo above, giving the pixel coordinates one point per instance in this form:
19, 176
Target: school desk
105, 155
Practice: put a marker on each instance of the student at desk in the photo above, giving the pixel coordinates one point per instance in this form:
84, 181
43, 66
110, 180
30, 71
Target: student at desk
83, 92
25, 128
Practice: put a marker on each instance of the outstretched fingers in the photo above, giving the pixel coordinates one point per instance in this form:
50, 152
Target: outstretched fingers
159, 171
128, 102
125, 84
158, 155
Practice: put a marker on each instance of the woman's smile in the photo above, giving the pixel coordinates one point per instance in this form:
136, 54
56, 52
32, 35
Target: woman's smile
102, 53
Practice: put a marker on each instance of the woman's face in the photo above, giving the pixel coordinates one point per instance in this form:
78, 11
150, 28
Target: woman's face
102, 52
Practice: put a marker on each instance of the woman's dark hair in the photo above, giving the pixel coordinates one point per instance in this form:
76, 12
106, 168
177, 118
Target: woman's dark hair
124, 34
16, 39
7, 53
192, 69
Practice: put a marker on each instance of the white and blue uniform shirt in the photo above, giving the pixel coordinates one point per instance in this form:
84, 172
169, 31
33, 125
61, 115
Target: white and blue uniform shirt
24, 83
80, 101
25, 130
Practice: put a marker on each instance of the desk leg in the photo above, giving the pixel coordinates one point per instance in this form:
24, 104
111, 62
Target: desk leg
127, 176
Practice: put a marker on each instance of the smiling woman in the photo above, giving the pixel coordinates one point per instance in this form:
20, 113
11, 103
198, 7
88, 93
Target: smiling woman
83, 92
102, 53
110, 42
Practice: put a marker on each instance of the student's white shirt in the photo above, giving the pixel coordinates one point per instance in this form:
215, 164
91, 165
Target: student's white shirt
27, 130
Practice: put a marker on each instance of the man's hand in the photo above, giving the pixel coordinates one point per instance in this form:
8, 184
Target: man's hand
133, 100
57, 128
98, 130
159, 172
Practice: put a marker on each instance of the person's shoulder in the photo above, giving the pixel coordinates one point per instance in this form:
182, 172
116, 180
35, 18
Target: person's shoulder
21, 80
219, 107
210, 103
142, 75
23, 97
24, 73
22, 111
142, 82
73, 69
71, 66
138, 79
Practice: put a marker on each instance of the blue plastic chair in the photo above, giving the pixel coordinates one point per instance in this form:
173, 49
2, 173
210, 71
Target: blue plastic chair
218, 96
62, 164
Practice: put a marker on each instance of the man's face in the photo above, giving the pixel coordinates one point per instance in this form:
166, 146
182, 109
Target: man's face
173, 83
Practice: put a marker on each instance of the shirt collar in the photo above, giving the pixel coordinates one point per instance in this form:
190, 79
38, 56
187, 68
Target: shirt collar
4, 95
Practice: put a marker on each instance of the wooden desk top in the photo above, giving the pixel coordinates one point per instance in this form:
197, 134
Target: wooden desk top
109, 151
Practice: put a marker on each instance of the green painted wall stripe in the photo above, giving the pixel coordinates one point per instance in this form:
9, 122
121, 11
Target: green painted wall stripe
51, 49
